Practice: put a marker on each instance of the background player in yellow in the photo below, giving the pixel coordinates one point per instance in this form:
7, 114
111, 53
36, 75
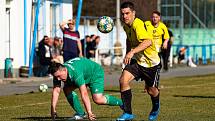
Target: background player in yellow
141, 60
158, 30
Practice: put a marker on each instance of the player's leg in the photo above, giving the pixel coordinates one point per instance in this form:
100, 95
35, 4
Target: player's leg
74, 102
101, 99
125, 90
165, 59
152, 83
129, 73
97, 90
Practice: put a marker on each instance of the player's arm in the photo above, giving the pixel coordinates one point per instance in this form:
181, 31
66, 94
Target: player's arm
86, 101
62, 25
142, 46
128, 46
55, 95
80, 48
171, 39
166, 37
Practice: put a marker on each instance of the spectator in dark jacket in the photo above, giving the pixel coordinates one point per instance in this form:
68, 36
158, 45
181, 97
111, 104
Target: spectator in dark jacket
45, 55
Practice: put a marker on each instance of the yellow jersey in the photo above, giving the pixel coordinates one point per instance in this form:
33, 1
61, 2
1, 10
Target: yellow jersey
136, 33
160, 32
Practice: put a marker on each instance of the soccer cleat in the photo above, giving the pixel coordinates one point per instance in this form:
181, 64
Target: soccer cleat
154, 113
125, 117
78, 117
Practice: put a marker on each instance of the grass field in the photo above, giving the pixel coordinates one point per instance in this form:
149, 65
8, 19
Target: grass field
182, 99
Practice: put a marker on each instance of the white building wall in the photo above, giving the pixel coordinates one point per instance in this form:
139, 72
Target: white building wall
17, 33
67, 11
47, 18
17, 29
3, 52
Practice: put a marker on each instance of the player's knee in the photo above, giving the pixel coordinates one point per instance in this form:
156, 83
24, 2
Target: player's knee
152, 91
99, 101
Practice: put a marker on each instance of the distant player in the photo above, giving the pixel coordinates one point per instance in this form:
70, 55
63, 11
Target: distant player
159, 32
142, 62
80, 73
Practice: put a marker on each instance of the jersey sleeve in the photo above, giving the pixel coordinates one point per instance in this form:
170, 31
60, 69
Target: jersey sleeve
166, 33
78, 34
141, 32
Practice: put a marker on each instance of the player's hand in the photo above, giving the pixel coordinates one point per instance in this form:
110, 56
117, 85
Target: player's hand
91, 116
165, 44
80, 55
54, 115
128, 57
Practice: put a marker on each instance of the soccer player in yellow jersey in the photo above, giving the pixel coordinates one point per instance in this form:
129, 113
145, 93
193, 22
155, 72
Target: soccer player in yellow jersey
158, 30
141, 60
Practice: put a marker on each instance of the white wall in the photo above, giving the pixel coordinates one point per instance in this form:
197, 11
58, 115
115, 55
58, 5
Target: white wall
3, 53
17, 29
17, 33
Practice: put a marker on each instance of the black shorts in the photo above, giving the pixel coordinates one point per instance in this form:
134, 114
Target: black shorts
149, 75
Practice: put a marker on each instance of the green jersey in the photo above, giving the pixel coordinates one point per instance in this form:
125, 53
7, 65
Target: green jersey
83, 71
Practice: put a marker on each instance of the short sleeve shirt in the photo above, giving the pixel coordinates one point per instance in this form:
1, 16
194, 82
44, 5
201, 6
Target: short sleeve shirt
160, 32
136, 33
70, 39
83, 71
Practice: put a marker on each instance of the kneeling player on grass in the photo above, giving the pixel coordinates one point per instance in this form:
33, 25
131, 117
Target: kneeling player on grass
80, 73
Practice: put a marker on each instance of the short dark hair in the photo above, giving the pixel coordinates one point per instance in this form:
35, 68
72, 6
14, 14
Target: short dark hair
44, 37
92, 35
87, 36
156, 12
54, 67
97, 37
127, 4
56, 38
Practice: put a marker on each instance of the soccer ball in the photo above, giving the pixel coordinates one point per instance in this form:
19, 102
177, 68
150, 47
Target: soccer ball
43, 88
105, 24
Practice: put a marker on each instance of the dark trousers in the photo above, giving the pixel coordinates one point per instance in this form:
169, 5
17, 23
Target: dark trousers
69, 55
165, 53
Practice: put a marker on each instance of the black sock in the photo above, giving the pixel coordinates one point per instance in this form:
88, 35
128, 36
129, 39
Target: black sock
126, 99
155, 102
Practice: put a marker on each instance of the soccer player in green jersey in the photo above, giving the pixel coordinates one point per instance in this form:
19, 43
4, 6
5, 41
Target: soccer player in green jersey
141, 60
80, 73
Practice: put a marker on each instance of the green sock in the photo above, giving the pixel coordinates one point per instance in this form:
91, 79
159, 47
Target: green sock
113, 101
73, 100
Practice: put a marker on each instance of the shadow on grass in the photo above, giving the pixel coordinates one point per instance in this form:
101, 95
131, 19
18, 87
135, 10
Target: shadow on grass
59, 119
192, 96
42, 118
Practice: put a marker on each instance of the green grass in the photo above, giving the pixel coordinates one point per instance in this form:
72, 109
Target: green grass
182, 99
